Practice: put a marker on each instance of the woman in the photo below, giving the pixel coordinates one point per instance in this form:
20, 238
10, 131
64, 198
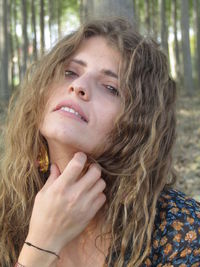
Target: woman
98, 111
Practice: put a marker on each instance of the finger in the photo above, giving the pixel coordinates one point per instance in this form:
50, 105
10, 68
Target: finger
91, 177
97, 204
96, 189
54, 174
74, 168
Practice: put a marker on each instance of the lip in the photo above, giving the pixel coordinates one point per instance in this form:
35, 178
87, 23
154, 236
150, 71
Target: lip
73, 105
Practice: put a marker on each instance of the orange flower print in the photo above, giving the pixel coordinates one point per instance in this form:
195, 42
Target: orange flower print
183, 265
163, 215
185, 252
199, 230
167, 249
148, 262
196, 252
163, 241
177, 238
164, 205
198, 214
190, 236
173, 255
190, 220
162, 226
155, 243
168, 265
195, 265
155, 257
177, 225
184, 210
174, 210
167, 197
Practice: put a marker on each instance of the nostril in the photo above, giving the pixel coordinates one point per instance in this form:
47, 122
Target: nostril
82, 93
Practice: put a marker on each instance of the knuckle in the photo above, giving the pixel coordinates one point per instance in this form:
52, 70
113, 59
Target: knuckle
96, 169
102, 182
77, 164
80, 156
102, 197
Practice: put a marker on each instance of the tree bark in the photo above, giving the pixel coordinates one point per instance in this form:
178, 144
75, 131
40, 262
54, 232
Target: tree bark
147, 15
59, 18
33, 20
164, 28
155, 18
42, 42
17, 41
107, 9
176, 44
187, 62
25, 36
5, 90
51, 19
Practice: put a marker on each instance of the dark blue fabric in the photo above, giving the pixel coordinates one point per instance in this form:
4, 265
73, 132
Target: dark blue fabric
176, 236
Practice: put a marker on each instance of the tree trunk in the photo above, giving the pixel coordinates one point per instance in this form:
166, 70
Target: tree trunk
5, 90
136, 14
107, 9
51, 19
17, 41
59, 18
197, 29
187, 62
176, 45
25, 36
154, 7
33, 19
147, 15
164, 29
12, 48
42, 43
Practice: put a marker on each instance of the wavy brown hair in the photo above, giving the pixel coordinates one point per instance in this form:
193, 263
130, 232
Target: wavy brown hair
137, 165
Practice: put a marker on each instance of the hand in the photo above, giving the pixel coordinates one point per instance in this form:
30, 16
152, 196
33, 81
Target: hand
66, 204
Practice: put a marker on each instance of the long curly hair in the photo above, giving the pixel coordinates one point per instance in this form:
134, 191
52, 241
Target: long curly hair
137, 165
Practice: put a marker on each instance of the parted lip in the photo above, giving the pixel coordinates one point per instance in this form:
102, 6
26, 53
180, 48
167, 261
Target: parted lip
73, 105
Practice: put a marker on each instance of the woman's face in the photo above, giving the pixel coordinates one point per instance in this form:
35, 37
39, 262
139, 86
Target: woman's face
82, 107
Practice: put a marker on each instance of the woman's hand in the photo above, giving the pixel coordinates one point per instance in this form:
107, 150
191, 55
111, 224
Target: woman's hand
66, 204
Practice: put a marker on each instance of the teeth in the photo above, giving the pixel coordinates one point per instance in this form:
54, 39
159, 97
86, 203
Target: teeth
71, 110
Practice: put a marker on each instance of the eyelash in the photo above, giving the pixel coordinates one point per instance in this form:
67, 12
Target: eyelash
70, 73
111, 89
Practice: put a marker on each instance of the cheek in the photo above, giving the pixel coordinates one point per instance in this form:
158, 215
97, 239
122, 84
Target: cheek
107, 121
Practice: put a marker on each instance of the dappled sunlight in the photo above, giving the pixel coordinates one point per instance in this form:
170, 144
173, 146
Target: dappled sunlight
187, 151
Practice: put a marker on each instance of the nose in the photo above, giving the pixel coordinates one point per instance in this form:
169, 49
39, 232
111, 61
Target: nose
80, 91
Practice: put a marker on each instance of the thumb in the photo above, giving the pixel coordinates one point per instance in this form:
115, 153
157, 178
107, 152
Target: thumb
54, 174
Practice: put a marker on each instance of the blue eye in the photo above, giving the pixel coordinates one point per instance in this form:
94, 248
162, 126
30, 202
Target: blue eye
112, 89
70, 73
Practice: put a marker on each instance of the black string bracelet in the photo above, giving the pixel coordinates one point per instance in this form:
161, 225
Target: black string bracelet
48, 251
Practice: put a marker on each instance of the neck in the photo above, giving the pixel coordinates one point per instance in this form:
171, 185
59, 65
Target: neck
61, 154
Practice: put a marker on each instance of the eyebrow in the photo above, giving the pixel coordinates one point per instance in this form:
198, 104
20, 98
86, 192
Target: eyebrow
106, 72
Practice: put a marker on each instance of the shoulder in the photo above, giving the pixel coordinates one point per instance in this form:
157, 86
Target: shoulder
176, 235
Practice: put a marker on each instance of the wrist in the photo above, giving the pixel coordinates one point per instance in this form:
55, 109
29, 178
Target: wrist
31, 257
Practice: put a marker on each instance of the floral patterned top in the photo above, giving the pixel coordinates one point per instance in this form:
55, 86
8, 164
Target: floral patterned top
176, 236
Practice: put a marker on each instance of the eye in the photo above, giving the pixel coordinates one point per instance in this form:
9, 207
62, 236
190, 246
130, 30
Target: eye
112, 89
70, 73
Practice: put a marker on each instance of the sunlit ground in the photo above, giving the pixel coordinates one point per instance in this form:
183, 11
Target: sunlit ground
188, 146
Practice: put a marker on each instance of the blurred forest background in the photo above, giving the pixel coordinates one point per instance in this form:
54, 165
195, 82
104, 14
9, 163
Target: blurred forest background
29, 28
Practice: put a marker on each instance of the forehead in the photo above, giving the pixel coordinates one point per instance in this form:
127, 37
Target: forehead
100, 49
